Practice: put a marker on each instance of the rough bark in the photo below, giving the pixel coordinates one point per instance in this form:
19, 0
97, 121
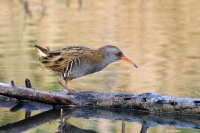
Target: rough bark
23, 93
152, 103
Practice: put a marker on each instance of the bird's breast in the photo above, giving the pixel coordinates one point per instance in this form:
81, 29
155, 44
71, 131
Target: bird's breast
85, 68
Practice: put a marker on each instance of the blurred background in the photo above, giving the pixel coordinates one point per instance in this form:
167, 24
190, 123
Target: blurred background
161, 36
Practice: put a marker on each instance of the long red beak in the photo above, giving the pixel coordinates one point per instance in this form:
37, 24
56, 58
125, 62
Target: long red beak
129, 61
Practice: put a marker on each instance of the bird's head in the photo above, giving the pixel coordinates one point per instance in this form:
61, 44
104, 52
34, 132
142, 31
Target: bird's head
113, 54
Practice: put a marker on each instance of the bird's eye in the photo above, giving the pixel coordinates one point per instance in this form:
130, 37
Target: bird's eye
118, 53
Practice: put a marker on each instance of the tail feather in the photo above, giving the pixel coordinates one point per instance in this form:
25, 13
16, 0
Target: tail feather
42, 51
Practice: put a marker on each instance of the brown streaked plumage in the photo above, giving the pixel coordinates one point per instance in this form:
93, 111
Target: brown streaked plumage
76, 61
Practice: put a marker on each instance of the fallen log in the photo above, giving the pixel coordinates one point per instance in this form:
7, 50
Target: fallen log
24, 93
148, 102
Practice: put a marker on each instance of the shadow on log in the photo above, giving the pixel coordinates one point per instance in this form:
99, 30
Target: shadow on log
146, 120
148, 102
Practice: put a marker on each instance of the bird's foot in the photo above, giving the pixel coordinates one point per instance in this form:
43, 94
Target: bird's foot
71, 91
66, 87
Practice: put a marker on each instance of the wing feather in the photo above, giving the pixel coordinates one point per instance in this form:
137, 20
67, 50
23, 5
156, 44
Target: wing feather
62, 61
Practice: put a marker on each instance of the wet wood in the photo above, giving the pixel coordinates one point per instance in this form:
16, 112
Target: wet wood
148, 102
24, 93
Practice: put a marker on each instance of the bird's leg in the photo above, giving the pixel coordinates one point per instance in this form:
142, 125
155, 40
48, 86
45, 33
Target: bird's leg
65, 85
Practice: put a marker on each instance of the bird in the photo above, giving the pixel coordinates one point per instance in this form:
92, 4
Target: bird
72, 62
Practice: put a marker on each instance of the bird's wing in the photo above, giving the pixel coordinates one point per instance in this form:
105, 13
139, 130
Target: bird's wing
65, 59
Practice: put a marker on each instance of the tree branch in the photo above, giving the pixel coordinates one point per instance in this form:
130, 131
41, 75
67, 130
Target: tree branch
148, 102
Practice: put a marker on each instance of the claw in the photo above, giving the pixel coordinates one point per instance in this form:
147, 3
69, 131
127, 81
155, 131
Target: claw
66, 87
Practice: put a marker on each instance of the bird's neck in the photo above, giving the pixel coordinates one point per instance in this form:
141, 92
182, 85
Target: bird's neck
103, 57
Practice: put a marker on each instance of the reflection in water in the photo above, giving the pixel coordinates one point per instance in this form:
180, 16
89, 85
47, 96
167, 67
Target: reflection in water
146, 120
123, 127
162, 37
66, 127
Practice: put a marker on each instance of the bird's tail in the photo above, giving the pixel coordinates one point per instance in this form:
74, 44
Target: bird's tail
42, 51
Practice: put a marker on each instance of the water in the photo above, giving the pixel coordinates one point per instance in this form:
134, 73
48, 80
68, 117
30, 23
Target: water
161, 37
